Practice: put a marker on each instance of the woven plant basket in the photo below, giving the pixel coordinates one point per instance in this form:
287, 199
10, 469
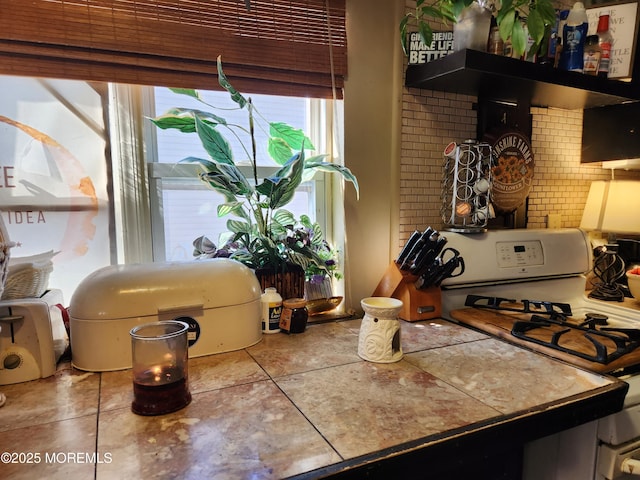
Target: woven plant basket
289, 283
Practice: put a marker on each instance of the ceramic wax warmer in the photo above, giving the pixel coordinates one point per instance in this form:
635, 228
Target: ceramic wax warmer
379, 339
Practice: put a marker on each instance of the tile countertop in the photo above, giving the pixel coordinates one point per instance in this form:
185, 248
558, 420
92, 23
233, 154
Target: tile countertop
306, 405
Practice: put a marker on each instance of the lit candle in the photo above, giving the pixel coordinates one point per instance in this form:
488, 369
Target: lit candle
159, 358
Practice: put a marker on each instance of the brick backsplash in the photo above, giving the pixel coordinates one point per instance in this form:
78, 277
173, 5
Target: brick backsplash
430, 120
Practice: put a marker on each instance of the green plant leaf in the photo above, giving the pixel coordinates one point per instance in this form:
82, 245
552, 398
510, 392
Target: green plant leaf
224, 83
238, 226
518, 39
404, 38
284, 217
506, 8
190, 92
280, 187
301, 258
334, 168
209, 117
245, 257
230, 207
535, 25
184, 124
279, 150
507, 23
213, 142
546, 11
426, 33
456, 8
224, 178
305, 221
295, 137
282, 222
317, 238
183, 119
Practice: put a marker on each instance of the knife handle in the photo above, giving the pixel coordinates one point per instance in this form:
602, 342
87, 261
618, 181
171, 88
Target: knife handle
408, 246
416, 249
428, 254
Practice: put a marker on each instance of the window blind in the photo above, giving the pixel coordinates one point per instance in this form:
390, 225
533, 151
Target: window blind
284, 47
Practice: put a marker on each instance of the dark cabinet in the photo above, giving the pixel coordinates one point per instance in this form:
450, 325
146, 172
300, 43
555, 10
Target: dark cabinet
472, 72
611, 125
611, 133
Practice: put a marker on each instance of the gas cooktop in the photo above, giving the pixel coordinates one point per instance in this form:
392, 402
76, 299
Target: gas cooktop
595, 339
552, 325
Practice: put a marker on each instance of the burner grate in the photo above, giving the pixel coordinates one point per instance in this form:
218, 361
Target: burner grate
528, 306
623, 340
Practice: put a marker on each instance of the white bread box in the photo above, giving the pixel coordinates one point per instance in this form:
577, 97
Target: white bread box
219, 299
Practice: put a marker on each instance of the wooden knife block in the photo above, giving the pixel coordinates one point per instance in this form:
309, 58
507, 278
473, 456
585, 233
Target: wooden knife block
416, 304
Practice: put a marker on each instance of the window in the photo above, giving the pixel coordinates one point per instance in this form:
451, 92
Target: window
280, 47
183, 207
74, 183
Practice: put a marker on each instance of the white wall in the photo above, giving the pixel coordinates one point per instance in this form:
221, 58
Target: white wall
372, 147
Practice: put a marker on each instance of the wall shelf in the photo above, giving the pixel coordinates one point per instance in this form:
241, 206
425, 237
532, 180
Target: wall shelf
472, 72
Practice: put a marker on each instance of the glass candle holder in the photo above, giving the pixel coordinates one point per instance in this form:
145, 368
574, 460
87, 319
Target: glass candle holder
160, 374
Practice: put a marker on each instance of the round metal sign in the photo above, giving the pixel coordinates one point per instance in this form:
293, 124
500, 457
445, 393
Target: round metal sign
512, 171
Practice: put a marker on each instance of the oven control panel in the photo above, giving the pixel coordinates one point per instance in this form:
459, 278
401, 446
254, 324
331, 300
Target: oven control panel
519, 253
508, 255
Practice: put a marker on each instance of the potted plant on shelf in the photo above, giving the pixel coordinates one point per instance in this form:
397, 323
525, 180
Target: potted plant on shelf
511, 16
262, 234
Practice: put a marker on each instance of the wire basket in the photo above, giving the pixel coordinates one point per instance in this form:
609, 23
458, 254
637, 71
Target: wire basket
466, 185
5, 254
28, 280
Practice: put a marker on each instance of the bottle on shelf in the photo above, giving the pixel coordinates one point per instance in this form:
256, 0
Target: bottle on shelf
573, 38
558, 53
496, 45
592, 54
605, 41
555, 35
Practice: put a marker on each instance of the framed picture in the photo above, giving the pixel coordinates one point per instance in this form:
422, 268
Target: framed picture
623, 25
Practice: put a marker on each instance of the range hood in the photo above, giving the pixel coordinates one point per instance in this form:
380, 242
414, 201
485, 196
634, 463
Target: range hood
611, 135
627, 164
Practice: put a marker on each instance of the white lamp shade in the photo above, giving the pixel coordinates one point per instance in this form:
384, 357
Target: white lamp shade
613, 207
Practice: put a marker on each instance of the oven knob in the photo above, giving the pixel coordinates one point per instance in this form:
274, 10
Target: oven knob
595, 318
12, 361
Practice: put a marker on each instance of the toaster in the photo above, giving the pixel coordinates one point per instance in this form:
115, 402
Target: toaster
29, 340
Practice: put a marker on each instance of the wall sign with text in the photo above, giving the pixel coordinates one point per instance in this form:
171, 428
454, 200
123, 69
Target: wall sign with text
419, 53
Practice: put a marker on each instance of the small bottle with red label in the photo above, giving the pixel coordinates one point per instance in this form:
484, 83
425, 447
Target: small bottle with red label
605, 40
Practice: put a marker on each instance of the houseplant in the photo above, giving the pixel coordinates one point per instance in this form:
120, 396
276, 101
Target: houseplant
262, 233
511, 17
